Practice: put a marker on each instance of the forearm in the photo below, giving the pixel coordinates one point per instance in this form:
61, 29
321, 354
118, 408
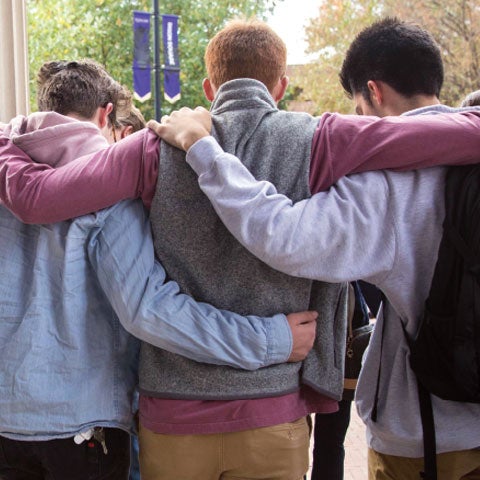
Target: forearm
317, 238
154, 310
37, 193
346, 144
175, 322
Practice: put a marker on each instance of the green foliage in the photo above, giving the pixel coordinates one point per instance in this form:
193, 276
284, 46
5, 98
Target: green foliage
102, 30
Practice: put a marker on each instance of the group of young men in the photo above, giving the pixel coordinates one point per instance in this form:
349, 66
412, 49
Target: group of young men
207, 409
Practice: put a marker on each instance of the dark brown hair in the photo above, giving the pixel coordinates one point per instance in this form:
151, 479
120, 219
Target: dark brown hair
76, 88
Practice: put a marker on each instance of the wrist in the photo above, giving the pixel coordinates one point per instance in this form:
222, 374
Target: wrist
193, 137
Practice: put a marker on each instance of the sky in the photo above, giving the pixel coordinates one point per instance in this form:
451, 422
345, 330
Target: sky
289, 20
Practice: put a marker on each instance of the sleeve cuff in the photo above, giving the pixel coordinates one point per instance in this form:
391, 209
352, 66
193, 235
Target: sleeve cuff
279, 339
201, 155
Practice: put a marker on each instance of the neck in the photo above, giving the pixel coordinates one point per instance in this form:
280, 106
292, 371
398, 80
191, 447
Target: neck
419, 101
405, 104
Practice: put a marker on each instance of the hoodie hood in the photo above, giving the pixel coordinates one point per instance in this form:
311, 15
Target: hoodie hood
54, 139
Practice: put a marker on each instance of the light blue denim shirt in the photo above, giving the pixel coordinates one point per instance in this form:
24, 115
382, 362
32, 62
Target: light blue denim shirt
69, 292
67, 363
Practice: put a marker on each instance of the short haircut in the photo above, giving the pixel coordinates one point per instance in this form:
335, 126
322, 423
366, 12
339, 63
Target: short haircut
76, 88
246, 49
472, 99
134, 119
401, 54
125, 112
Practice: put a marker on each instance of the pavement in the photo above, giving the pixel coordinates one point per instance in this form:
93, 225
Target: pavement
355, 450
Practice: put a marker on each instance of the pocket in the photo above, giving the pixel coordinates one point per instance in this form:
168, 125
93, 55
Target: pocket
296, 431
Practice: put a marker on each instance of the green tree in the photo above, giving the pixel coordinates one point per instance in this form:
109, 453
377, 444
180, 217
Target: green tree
102, 30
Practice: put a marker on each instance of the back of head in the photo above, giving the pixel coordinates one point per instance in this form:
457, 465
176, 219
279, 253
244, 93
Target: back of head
76, 88
246, 49
134, 119
472, 99
127, 114
398, 53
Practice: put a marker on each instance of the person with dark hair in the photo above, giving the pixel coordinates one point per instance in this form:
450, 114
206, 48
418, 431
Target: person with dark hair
384, 227
392, 60
394, 55
66, 88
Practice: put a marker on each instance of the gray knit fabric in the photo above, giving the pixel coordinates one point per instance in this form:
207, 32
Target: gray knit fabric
208, 263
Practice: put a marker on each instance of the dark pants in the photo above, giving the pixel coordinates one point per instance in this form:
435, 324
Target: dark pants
329, 436
64, 460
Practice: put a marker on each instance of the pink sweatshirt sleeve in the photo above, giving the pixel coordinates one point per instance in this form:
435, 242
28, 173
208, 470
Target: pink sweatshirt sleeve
344, 144
38, 193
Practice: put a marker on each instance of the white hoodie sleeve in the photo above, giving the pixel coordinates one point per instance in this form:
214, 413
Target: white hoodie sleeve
340, 235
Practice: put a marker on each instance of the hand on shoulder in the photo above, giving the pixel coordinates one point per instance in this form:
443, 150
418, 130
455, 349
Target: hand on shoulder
182, 128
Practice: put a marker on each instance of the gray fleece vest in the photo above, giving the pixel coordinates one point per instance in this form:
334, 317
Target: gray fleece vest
205, 259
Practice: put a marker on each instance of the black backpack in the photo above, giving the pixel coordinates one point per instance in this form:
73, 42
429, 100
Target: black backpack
445, 355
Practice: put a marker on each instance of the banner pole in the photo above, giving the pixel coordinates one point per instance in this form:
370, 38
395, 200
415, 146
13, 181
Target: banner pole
156, 67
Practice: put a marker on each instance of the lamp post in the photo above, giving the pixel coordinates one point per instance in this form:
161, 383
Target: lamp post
156, 64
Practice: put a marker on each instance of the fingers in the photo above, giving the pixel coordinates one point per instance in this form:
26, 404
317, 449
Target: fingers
303, 326
182, 128
302, 317
155, 127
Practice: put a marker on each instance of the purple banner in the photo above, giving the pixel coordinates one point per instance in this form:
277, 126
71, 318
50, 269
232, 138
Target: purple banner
171, 68
142, 90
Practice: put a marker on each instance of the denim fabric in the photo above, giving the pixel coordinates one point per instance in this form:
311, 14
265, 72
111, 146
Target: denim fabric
67, 363
134, 472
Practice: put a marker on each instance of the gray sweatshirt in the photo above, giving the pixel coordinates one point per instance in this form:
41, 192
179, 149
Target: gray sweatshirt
383, 227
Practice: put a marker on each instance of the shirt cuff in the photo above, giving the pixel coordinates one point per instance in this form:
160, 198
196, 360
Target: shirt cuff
279, 339
201, 155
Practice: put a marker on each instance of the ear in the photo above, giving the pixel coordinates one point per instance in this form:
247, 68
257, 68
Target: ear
103, 113
376, 92
208, 89
280, 88
126, 131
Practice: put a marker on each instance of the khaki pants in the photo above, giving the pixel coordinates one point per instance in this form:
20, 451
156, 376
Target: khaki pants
271, 453
460, 465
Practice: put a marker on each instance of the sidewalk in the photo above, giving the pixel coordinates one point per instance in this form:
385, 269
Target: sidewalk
355, 450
